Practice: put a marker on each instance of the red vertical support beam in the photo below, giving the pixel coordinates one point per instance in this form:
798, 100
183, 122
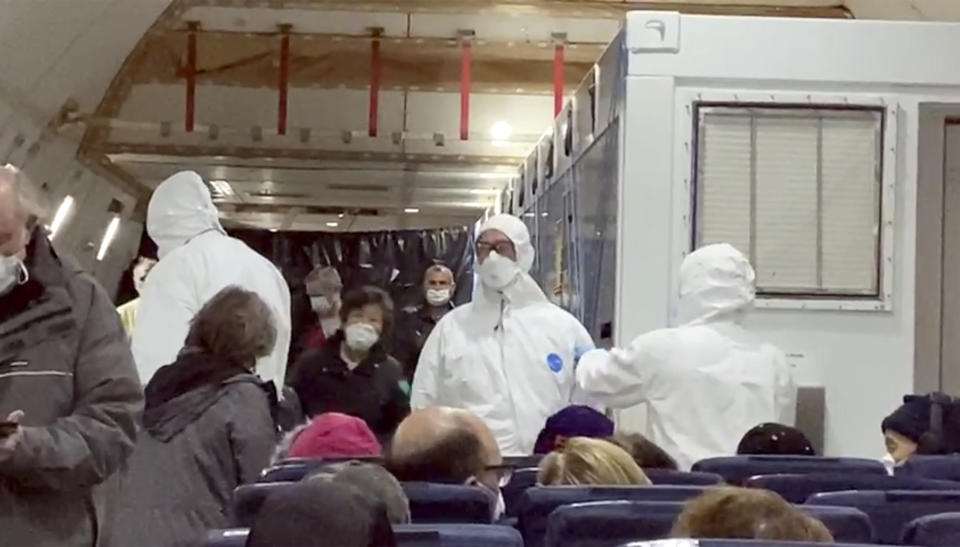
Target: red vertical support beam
376, 69
283, 83
466, 55
191, 74
557, 79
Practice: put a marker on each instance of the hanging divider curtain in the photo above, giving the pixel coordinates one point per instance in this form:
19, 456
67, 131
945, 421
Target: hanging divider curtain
393, 261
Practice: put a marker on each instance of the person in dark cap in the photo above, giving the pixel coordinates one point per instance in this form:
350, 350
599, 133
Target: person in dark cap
321, 514
572, 421
777, 440
924, 424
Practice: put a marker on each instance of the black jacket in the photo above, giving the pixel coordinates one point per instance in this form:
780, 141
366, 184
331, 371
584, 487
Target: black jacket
372, 392
414, 326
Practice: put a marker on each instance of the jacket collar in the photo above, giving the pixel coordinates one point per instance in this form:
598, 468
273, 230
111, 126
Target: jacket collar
332, 359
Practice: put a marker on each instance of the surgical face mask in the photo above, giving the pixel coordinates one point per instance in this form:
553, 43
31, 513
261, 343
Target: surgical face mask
497, 272
12, 272
323, 305
361, 336
890, 463
497, 505
438, 297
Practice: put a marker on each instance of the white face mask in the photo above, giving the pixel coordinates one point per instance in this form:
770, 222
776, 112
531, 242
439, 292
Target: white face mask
12, 272
361, 336
497, 504
889, 463
497, 272
438, 297
323, 305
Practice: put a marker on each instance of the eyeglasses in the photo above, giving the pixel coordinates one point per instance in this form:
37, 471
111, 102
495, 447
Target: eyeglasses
503, 471
503, 247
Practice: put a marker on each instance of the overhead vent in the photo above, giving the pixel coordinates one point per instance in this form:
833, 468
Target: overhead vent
359, 188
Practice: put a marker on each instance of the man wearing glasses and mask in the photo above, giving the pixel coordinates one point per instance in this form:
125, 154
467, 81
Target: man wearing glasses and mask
508, 356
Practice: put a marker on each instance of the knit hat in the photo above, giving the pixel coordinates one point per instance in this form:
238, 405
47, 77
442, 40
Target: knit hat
323, 280
911, 420
776, 439
573, 421
335, 435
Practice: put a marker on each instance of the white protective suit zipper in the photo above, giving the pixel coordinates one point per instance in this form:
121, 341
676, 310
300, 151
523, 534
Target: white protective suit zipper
503, 370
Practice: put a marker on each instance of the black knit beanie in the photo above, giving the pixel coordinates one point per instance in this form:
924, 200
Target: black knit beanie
911, 420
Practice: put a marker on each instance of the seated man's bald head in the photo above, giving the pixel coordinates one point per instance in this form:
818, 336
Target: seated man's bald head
441, 444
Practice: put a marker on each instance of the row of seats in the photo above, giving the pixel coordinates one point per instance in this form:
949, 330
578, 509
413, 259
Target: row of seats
584, 516
854, 500
410, 535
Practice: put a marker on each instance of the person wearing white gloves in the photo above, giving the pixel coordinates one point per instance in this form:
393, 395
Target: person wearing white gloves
706, 382
197, 260
508, 356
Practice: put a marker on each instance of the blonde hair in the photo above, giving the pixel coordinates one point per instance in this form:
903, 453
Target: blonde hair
583, 460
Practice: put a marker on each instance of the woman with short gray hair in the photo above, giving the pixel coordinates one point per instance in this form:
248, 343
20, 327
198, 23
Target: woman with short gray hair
207, 427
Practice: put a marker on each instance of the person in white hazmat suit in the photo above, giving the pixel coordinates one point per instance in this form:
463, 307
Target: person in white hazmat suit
508, 356
707, 382
197, 260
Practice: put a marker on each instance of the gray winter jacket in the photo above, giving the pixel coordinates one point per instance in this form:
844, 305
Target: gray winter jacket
184, 469
64, 361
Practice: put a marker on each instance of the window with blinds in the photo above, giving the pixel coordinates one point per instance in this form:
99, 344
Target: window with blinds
796, 189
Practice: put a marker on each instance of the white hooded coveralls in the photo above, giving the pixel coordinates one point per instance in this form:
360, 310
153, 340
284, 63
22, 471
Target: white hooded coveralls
197, 260
508, 356
707, 382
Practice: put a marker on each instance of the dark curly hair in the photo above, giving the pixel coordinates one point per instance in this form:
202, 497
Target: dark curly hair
235, 325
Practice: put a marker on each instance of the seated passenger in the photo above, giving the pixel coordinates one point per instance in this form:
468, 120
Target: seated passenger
352, 373
573, 421
706, 381
775, 439
585, 461
373, 481
208, 427
321, 514
909, 430
446, 445
645, 453
746, 513
330, 435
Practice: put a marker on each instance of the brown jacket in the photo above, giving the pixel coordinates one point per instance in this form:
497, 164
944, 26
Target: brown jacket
65, 361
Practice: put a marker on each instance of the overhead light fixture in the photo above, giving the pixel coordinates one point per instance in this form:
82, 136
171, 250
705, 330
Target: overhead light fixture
411, 210
222, 187
62, 212
274, 230
333, 224
108, 237
341, 215
500, 131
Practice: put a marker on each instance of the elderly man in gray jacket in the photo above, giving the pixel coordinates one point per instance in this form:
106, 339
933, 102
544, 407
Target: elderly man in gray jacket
69, 391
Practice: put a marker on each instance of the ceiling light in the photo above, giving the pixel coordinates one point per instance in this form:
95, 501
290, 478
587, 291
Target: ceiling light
222, 187
333, 224
108, 237
274, 230
58, 219
411, 210
501, 131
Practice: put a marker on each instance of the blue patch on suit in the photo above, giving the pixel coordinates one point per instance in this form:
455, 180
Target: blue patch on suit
555, 362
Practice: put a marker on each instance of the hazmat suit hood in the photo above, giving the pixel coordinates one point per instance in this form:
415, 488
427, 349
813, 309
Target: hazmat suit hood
180, 209
716, 284
523, 290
